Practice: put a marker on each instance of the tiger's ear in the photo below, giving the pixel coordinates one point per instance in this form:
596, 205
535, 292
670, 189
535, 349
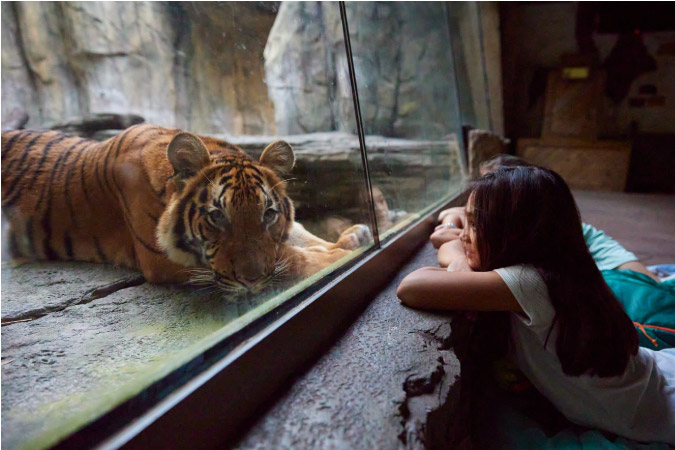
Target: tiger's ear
188, 155
279, 157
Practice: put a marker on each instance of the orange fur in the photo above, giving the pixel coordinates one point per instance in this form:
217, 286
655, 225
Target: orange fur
123, 201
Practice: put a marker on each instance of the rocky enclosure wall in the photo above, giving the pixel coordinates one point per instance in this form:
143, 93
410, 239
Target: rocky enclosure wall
402, 60
238, 68
190, 65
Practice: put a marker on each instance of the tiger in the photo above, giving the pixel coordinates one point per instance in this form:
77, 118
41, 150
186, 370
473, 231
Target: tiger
173, 205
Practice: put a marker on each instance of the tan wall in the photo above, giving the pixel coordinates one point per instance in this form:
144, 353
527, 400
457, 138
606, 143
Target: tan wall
537, 34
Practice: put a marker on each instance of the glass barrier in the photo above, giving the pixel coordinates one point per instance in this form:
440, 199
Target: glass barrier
406, 81
79, 338
129, 249
467, 46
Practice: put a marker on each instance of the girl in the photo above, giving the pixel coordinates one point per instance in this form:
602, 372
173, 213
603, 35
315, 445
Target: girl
606, 252
522, 251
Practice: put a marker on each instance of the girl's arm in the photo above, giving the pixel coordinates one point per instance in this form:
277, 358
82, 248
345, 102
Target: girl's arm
451, 256
434, 288
637, 266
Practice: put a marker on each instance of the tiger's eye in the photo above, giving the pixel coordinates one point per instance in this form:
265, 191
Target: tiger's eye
216, 216
270, 215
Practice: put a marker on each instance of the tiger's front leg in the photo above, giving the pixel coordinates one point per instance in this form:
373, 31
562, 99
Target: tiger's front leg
352, 238
157, 268
302, 262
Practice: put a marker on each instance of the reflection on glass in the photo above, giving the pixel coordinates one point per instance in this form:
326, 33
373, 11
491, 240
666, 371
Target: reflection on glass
79, 338
408, 97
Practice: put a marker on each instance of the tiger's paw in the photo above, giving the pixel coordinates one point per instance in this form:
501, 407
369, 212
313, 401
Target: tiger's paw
354, 237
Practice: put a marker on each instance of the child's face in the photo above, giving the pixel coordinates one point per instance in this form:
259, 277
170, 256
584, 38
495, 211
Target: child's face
468, 237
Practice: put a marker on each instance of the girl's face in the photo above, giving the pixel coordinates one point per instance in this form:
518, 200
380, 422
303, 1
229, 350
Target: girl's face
468, 237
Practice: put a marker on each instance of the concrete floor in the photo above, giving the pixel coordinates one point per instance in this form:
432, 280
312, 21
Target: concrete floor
643, 223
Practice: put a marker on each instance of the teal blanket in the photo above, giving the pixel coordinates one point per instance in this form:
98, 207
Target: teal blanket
649, 304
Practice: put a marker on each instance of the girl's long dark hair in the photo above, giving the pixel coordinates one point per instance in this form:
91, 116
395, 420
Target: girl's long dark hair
527, 215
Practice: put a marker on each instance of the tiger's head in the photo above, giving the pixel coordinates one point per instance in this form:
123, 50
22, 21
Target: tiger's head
229, 215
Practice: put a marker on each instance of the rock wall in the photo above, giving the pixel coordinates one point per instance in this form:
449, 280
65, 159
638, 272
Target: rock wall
189, 65
228, 67
402, 60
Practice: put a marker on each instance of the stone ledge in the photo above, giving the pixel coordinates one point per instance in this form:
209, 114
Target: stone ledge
390, 382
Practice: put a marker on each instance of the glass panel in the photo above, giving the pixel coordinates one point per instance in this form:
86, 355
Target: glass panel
78, 338
467, 46
408, 98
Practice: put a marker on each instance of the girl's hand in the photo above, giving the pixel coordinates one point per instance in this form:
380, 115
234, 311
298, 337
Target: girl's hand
455, 216
443, 234
451, 256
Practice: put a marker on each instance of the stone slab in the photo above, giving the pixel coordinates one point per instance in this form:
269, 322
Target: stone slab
376, 388
33, 289
77, 360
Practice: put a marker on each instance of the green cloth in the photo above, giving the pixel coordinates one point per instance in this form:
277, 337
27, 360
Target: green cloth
648, 303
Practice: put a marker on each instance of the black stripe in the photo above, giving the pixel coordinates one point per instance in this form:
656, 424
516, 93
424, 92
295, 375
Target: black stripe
146, 245
255, 169
19, 178
256, 178
106, 151
8, 147
69, 174
68, 152
49, 252
127, 211
36, 174
188, 249
191, 215
68, 245
99, 250
192, 211
179, 228
203, 196
82, 174
55, 169
24, 155
289, 208
161, 193
275, 197
152, 217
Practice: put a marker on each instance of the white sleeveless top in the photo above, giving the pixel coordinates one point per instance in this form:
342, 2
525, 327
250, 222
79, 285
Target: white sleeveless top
639, 405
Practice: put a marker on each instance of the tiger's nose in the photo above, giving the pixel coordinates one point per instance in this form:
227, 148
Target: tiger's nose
250, 272
248, 282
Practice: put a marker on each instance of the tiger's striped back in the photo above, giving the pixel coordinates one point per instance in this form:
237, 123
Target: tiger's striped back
53, 189
71, 198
